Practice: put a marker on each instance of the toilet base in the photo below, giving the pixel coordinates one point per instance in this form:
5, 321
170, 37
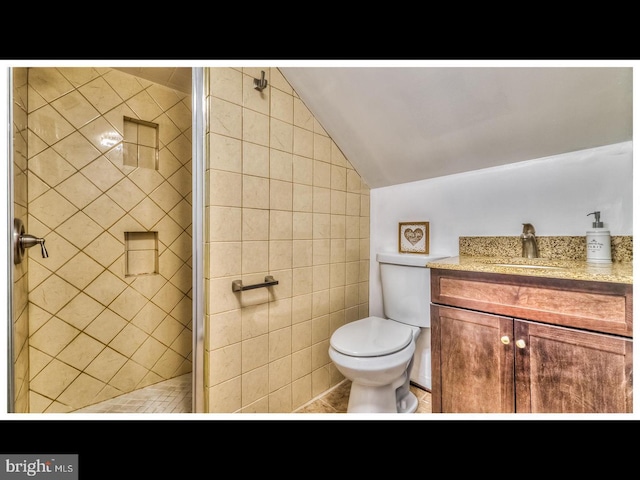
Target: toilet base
367, 399
408, 404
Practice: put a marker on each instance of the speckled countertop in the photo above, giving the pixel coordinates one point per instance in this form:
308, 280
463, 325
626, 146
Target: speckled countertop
618, 272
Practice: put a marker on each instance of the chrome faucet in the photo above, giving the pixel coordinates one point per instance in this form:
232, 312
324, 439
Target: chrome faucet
529, 243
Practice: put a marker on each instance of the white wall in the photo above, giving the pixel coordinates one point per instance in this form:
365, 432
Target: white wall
555, 194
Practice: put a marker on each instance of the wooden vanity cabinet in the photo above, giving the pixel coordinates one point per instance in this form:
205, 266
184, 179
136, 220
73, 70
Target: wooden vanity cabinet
518, 344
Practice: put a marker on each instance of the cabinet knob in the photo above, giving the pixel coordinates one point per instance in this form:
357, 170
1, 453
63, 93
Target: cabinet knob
505, 339
520, 343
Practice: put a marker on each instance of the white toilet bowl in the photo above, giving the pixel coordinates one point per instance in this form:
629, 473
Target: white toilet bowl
376, 354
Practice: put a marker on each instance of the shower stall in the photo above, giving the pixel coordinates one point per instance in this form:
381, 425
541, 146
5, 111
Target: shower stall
106, 207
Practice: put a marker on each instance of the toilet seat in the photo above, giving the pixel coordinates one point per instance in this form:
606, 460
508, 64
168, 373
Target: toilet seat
371, 337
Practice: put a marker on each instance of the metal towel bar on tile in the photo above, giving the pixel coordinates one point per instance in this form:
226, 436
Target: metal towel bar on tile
237, 286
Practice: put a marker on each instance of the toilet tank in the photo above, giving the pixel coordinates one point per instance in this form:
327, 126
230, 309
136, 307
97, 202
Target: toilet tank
406, 287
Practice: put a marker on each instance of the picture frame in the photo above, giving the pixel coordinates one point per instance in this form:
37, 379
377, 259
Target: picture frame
413, 237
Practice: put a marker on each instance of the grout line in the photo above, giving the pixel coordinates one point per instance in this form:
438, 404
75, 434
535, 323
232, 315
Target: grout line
174, 396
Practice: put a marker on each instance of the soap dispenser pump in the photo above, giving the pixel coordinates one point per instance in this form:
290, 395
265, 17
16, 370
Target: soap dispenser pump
598, 242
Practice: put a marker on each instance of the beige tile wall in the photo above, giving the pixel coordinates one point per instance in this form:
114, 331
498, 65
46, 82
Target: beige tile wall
20, 288
95, 333
282, 200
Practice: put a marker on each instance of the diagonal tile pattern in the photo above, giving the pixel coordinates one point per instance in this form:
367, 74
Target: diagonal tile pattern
310, 223
169, 396
100, 333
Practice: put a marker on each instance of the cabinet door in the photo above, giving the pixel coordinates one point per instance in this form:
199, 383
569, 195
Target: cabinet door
561, 370
472, 361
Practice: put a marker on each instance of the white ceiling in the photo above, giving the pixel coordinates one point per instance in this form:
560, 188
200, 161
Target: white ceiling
402, 124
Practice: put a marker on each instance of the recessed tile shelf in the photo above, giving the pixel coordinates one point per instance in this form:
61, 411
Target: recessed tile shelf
141, 253
140, 143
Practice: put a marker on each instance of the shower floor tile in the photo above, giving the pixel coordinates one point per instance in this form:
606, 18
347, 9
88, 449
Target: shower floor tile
170, 396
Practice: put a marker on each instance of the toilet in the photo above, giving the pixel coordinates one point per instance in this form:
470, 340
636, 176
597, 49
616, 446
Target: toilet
377, 354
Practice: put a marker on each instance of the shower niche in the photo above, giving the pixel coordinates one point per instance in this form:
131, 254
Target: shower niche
140, 143
141, 253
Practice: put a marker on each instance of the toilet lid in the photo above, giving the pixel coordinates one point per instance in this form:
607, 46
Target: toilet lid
371, 337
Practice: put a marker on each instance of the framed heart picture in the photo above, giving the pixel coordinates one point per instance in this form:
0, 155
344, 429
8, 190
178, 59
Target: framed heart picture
413, 237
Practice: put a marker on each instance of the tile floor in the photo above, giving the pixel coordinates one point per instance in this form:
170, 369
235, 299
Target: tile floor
337, 399
174, 396
170, 396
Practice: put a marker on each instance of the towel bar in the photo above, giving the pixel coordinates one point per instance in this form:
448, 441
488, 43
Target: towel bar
237, 286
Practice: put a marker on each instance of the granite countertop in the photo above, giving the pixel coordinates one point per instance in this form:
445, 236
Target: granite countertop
617, 272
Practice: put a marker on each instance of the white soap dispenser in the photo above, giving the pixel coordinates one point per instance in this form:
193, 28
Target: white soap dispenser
598, 242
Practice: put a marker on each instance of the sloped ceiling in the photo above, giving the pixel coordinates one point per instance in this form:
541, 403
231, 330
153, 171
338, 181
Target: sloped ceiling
178, 78
402, 124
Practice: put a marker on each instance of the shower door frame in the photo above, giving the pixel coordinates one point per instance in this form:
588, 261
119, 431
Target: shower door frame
198, 169
198, 175
9, 239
